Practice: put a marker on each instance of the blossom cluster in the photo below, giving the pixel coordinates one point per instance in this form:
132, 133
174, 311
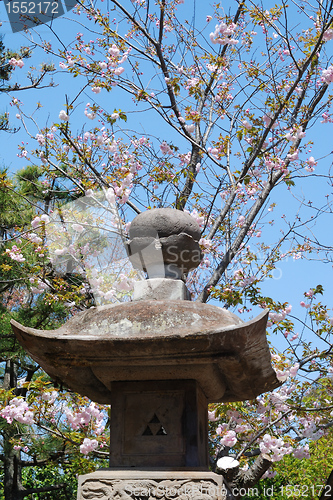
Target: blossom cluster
38, 220
199, 218
38, 286
229, 439
15, 254
85, 416
302, 452
327, 75
309, 429
282, 375
50, 396
295, 134
111, 67
18, 409
88, 446
243, 280
63, 116
280, 316
222, 34
276, 447
16, 62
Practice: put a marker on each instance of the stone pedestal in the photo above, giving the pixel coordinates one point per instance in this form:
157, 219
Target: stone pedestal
151, 485
158, 424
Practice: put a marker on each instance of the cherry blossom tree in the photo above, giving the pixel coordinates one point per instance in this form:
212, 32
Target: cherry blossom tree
217, 116
42, 428
9, 61
305, 473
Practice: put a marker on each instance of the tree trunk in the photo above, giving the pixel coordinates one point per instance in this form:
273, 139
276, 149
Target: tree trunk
12, 477
12, 480
327, 493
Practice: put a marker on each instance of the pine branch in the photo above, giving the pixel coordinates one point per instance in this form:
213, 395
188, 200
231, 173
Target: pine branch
42, 489
35, 462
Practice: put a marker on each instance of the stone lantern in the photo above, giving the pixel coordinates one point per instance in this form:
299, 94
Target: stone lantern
158, 360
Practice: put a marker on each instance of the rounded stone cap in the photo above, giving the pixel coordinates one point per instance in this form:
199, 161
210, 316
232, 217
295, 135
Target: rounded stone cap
164, 222
164, 242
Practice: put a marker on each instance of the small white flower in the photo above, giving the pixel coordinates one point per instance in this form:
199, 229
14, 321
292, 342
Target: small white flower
63, 116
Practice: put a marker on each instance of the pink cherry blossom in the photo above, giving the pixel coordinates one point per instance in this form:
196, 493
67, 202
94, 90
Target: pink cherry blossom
50, 397
199, 218
282, 375
124, 284
45, 218
205, 243
327, 75
119, 71
246, 124
165, 148
276, 447
88, 446
212, 416
222, 33
15, 254
16, 62
113, 50
35, 222
328, 35
110, 196
302, 452
229, 439
63, 116
78, 228
18, 410
241, 220
294, 369
293, 156
311, 163
190, 128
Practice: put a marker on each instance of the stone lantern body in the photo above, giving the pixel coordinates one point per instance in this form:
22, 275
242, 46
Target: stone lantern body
158, 360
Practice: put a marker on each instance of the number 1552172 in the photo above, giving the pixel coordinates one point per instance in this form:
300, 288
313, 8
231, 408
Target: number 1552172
32, 7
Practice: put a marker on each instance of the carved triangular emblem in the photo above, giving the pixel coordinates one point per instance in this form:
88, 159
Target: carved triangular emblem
154, 420
147, 431
161, 431
154, 427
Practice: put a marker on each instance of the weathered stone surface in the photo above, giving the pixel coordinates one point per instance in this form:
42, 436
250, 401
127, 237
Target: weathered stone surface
152, 485
158, 424
160, 289
164, 243
164, 222
156, 340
